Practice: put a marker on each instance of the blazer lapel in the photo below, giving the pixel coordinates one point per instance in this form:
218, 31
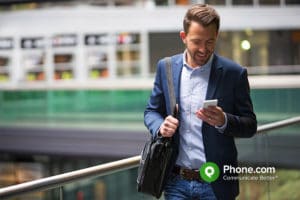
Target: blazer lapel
214, 78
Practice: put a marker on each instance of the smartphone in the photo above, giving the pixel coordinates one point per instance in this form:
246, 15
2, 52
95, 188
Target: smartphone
212, 102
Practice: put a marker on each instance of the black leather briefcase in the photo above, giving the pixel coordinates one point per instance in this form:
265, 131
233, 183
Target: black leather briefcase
157, 153
152, 172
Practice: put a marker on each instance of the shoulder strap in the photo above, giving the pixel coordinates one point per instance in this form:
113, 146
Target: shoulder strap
171, 86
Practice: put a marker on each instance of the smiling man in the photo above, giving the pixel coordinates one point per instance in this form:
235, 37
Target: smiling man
201, 135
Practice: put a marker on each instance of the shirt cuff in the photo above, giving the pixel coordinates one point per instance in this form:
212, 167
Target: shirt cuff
221, 129
157, 134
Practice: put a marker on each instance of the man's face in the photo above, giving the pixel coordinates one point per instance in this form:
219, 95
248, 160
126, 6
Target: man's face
200, 43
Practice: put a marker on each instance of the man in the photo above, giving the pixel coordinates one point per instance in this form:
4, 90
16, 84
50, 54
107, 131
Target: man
201, 135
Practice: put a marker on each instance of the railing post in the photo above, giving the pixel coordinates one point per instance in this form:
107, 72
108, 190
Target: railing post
61, 193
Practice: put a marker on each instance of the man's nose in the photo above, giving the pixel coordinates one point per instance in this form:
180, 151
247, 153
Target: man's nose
201, 47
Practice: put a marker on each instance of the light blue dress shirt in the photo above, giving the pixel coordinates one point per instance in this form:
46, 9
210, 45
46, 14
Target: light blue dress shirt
193, 87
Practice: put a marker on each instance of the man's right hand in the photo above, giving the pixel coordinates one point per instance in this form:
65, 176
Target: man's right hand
169, 126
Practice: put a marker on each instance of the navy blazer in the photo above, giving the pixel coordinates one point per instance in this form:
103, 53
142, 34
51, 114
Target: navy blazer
228, 82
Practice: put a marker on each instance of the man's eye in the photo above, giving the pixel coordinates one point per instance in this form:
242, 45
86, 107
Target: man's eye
209, 43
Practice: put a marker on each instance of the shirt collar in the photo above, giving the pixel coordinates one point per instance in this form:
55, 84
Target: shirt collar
203, 67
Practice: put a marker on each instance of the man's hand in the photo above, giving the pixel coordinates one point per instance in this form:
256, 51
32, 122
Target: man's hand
169, 126
213, 115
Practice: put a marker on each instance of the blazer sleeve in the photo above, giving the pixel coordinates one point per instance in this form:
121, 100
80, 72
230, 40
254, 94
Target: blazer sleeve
155, 111
242, 123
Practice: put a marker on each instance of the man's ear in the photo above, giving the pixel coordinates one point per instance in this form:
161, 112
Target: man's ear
183, 36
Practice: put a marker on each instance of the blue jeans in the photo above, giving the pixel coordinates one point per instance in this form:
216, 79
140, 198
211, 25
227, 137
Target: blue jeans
181, 189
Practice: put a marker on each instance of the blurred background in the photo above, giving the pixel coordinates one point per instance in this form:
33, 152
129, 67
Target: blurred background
75, 76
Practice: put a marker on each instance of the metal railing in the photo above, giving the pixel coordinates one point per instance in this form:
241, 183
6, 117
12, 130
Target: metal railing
59, 181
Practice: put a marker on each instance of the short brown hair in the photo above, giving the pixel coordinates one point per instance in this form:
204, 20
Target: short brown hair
202, 14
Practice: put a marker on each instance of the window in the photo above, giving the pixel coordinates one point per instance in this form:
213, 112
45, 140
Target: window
97, 55
33, 58
128, 54
242, 2
269, 2
64, 56
216, 2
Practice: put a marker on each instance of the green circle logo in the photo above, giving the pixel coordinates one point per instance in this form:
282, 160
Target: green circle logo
209, 172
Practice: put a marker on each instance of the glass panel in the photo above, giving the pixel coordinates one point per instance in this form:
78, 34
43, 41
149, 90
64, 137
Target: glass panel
182, 2
6, 43
249, 48
125, 2
295, 38
277, 175
33, 58
97, 55
268, 112
287, 184
33, 63
116, 186
64, 55
263, 52
12, 173
63, 63
128, 54
89, 108
161, 2
52, 194
269, 2
292, 1
5, 62
97, 63
277, 49
162, 45
242, 2
216, 2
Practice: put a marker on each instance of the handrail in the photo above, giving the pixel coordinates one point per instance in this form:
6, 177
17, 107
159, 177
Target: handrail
62, 179
276, 125
103, 169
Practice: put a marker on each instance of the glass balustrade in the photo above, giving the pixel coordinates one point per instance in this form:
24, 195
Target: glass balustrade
275, 157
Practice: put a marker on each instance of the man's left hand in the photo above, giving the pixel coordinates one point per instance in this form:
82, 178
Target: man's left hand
213, 115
